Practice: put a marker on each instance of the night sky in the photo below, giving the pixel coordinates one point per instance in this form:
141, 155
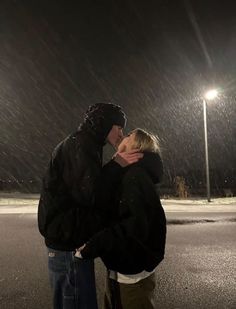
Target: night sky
154, 58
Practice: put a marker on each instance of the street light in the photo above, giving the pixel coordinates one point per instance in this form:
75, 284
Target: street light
209, 95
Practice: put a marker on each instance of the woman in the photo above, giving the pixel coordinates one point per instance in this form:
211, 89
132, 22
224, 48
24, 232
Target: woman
133, 245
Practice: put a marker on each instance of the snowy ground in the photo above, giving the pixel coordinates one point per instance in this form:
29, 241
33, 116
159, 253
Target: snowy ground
226, 204
27, 203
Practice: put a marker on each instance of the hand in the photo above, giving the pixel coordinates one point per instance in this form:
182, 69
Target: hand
126, 158
78, 252
81, 248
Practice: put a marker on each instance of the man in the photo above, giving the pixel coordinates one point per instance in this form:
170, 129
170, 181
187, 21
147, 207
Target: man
67, 217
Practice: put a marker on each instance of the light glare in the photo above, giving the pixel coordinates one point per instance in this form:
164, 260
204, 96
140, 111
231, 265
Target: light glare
211, 94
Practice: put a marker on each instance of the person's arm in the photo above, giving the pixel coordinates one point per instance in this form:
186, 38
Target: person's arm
110, 179
132, 223
112, 171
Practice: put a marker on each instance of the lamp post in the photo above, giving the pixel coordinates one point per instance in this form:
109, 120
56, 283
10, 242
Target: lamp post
209, 95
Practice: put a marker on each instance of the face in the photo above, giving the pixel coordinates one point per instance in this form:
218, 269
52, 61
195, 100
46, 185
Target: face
115, 136
127, 143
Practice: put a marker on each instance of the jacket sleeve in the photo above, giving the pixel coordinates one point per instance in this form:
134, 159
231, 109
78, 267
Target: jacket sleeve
106, 187
132, 222
110, 178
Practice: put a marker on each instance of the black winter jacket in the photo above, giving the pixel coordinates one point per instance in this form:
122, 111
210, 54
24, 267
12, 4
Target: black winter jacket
136, 241
66, 216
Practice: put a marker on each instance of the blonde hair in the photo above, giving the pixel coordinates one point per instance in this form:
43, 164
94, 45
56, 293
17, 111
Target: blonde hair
145, 141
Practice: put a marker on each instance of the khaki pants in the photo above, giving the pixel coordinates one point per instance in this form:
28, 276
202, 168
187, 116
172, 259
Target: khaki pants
130, 296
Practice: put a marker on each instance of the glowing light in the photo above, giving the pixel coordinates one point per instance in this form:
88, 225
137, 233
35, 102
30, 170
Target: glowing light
211, 94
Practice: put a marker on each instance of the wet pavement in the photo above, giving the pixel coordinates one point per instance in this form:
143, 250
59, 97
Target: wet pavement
198, 270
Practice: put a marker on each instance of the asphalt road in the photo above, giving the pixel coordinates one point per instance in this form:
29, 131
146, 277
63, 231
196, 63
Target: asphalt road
199, 270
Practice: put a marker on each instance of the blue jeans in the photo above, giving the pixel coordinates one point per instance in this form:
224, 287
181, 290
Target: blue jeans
72, 281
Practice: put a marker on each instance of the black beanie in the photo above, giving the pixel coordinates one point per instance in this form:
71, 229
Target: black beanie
107, 111
102, 116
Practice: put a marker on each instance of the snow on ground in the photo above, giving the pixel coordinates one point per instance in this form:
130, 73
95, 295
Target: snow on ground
201, 201
17, 201
227, 204
12, 203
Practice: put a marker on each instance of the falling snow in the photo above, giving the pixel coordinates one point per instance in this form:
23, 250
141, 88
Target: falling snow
156, 60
